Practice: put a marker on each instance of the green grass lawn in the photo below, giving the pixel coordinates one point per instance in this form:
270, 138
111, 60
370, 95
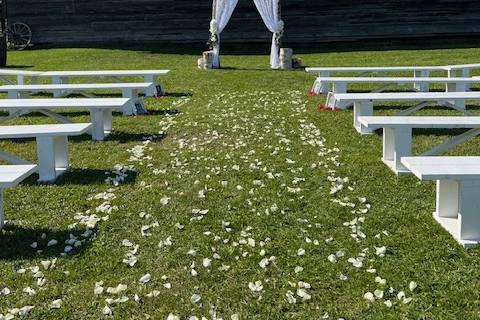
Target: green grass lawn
240, 201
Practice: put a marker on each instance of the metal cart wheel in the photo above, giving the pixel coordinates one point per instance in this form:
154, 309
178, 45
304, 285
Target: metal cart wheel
19, 36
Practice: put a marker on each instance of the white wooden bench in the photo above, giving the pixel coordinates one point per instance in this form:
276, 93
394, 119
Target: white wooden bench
325, 72
340, 84
363, 102
10, 176
149, 76
462, 70
129, 90
100, 110
397, 135
20, 75
52, 145
458, 193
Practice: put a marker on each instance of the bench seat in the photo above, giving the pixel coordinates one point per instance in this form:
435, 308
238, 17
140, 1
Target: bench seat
52, 146
129, 90
397, 135
462, 70
454, 84
457, 196
149, 76
10, 176
363, 102
100, 110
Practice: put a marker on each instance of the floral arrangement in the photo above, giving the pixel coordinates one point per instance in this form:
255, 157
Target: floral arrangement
279, 34
213, 40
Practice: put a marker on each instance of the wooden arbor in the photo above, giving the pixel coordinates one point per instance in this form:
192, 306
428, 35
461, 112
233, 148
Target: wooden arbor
220, 19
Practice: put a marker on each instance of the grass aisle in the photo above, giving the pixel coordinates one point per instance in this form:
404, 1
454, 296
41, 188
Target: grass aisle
234, 199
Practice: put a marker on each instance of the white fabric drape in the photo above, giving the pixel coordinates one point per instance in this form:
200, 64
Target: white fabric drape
222, 13
269, 11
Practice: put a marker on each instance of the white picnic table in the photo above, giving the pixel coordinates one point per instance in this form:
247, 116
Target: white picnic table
129, 90
457, 196
397, 135
363, 102
100, 110
149, 76
52, 145
418, 72
10, 176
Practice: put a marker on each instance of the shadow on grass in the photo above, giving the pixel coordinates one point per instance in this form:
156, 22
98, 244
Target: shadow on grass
78, 176
432, 132
81, 176
124, 137
175, 95
15, 243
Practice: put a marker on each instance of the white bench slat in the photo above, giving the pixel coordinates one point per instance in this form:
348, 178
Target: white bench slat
113, 103
97, 73
76, 86
406, 96
11, 175
12, 72
148, 76
374, 122
43, 130
375, 69
441, 168
399, 80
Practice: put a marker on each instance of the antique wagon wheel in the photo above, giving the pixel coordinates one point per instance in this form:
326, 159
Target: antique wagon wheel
19, 36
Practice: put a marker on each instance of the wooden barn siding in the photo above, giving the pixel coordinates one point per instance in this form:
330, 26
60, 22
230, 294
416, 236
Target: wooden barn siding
63, 21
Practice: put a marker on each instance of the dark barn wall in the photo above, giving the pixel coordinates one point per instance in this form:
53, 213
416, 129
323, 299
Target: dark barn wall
61, 21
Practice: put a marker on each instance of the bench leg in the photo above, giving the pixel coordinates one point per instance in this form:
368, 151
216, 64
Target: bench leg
20, 80
360, 109
321, 87
158, 90
469, 209
457, 87
340, 87
58, 80
466, 74
52, 155
422, 87
129, 109
101, 123
458, 208
397, 143
317, 87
